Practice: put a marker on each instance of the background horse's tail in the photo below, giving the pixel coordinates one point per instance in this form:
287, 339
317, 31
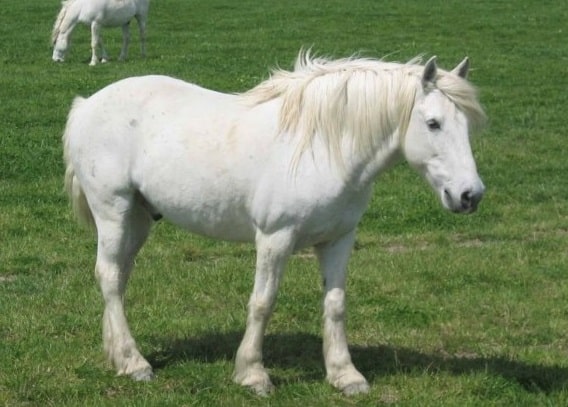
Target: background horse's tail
72, 186
59, 20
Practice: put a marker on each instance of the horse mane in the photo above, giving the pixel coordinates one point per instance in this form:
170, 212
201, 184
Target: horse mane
59, 20
364, 99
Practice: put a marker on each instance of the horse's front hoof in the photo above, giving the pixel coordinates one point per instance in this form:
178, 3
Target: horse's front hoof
262, 389
349, 381
257, 381
356, 388
144, 375
57, 59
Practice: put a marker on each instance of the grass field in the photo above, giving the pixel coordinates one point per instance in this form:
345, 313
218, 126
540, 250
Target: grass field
444, 310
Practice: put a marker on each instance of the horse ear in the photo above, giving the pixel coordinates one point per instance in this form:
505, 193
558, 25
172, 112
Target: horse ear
430, 71
462, 69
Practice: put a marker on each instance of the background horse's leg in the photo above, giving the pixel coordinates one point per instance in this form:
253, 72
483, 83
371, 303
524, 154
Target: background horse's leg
142, 28
95, 38
341, 372
121, 230
272, 253
125, 41
97, 41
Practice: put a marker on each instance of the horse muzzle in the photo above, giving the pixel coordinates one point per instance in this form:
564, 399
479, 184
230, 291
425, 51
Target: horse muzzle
463, 200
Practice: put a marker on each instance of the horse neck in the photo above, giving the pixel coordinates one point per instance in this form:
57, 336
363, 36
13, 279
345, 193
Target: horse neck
375, 129
363, 169
66, 17
367, 157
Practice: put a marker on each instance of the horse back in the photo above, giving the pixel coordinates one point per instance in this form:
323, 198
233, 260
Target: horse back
110, 12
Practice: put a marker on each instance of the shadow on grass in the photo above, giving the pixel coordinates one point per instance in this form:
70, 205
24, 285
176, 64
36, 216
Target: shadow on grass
376, 361
302, 352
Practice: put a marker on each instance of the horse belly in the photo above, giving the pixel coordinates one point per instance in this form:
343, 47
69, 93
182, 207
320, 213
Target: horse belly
201, 209
198, 186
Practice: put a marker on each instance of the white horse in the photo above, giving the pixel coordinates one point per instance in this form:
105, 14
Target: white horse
288, 165
98, 14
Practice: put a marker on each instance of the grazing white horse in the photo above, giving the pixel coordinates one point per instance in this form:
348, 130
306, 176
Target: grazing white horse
98, 14
288, 165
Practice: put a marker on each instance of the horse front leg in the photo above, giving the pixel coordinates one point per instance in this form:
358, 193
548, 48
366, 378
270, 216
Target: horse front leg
272, 254
341, 373
125, 41
97, 41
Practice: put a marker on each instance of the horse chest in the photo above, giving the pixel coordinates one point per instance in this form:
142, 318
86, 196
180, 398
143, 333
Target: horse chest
314, 214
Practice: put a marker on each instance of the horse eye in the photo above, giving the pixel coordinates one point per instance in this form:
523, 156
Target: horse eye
433, 124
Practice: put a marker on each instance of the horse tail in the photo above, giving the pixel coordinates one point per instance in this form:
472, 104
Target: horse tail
73, 188
59, 20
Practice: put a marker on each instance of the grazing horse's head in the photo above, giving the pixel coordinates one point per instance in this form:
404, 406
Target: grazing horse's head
436, 142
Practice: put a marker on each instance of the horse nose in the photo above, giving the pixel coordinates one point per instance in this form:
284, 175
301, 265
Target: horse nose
470, 199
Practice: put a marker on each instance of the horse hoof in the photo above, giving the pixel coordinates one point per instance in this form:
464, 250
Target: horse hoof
262, 389
356, 388
145, 375
258, 382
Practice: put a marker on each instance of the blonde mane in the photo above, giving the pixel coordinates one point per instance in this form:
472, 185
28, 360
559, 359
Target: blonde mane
364, 99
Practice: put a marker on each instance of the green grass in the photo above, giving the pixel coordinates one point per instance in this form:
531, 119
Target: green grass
443, 310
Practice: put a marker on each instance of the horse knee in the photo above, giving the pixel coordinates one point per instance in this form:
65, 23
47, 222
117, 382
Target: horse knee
260, 309
334, 304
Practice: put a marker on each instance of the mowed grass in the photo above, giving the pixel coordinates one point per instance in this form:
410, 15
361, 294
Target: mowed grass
444, 310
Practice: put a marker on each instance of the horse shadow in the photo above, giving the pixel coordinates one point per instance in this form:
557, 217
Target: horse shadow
302, 352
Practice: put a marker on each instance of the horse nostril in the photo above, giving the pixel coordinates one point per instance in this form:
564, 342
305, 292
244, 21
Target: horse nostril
470, 199
466, 198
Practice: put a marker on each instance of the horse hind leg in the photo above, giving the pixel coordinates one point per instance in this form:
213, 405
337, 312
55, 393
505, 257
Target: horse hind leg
121, 232
125, 41
141, 19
